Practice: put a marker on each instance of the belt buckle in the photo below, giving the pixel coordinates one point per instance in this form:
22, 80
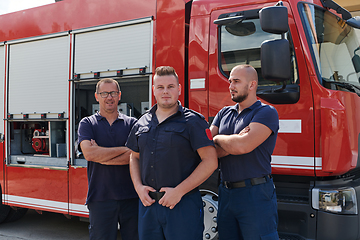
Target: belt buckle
227, 184
156, 195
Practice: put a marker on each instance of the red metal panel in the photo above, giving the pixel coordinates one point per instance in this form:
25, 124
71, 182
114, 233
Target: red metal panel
169, 39
37, 188
339, 132
198, 63
77, 191
69, 15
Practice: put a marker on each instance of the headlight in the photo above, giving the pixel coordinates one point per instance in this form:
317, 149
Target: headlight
341, 200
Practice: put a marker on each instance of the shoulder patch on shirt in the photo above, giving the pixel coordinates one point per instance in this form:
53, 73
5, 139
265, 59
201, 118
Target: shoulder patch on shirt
208, 134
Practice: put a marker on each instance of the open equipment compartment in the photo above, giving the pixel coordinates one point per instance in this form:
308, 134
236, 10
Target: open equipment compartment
37, 142
134, 102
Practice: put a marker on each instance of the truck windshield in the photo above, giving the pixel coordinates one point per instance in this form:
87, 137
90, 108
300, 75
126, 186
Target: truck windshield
335, 48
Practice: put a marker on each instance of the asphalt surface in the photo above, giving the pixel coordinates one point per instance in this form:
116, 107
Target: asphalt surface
54, 226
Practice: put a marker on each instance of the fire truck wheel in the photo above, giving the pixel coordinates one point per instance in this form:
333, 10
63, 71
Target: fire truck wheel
15, 214
210, 202
4, 212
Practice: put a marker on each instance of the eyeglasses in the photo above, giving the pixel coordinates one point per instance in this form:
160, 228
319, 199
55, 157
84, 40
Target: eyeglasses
106, 94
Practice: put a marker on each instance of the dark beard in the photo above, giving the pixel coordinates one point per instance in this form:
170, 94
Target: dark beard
239, 98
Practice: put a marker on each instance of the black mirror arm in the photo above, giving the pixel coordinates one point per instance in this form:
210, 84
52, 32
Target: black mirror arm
229, 20
332, 5
282, 88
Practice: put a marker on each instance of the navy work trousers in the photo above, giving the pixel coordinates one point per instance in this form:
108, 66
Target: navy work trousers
105, 216
248, 213
184, 221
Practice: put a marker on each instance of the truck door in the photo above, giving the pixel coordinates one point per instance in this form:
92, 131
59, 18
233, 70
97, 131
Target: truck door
240, 43
36, 123
294, 162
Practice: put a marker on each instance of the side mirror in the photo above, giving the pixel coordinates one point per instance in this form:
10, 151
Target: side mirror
275, 60
274, 19
275, 54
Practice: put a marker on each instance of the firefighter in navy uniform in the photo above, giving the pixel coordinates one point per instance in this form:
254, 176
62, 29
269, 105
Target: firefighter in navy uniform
173, 153
111, 197
245, 136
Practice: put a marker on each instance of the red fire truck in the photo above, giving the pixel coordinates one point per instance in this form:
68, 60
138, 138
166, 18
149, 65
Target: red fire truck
307, 54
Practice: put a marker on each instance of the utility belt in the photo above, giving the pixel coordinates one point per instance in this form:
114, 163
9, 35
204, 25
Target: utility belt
158, 195
253, 182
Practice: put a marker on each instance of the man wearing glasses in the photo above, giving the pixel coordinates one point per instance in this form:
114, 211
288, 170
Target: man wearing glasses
111, 197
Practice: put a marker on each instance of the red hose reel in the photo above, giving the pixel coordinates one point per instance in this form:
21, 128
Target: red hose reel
39, 142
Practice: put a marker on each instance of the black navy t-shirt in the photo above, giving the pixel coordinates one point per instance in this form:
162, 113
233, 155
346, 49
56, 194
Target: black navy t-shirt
258, 162
107, 182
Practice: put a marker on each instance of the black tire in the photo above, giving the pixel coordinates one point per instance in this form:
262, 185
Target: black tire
4, 212
15, 214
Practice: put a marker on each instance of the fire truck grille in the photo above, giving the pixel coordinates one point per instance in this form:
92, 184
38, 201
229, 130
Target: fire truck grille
293, 199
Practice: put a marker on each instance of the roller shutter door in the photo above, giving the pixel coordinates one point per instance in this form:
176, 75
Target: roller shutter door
125, 47
38, 76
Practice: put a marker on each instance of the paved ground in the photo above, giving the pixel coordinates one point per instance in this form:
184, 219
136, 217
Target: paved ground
34, 226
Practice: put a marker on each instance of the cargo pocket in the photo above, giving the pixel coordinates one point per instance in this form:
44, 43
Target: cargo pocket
175, 136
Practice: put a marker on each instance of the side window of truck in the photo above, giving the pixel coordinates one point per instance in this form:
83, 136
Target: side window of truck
240, 43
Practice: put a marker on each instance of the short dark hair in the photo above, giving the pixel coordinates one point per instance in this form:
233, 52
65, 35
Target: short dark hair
107, 80
166, 71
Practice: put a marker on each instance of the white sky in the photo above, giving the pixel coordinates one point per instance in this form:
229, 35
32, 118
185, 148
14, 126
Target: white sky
7, 6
